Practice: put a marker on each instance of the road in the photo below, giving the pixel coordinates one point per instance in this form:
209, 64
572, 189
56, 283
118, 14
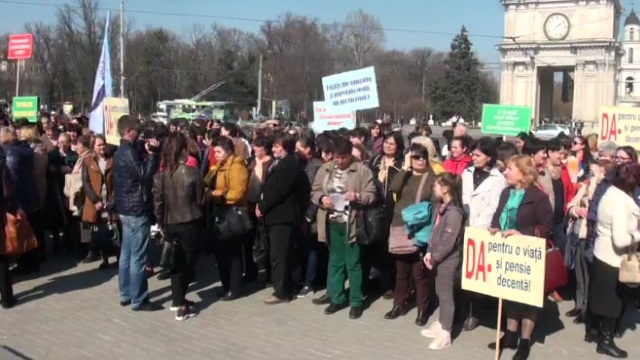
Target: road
72, 313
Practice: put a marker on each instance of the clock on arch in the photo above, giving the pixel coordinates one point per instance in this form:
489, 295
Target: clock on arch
556, 27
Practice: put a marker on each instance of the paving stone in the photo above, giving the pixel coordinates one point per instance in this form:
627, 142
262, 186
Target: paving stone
71, 312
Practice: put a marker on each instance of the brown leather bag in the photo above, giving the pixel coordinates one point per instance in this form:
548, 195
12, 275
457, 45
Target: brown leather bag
19, 236
399, 241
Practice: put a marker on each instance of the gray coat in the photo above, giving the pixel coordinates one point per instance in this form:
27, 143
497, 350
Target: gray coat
447, 235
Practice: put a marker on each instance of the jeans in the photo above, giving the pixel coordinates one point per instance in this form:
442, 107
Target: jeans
314, 258
132, 279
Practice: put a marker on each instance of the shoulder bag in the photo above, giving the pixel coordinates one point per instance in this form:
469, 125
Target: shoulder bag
555, 272
260, 249
232, 221
629, 273
400, 238
418, 219
19, 236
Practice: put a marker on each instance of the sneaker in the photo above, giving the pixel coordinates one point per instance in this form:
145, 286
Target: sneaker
187, 303
433, 331
306, 291
442, 342
183, 315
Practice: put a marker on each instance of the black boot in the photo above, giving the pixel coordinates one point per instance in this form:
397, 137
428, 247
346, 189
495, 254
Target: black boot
394, 313
606, 345
524, 347
509, 340
422, 318
590, 328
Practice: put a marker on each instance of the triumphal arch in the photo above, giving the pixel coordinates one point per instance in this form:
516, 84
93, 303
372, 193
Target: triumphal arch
574, 42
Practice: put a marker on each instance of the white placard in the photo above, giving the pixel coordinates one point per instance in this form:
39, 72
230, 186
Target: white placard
326, 117
352, 90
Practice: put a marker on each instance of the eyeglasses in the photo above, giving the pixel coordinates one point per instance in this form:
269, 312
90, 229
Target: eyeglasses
418, 157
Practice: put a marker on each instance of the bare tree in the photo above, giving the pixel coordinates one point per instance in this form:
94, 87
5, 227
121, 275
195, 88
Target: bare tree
297, 52
365, 36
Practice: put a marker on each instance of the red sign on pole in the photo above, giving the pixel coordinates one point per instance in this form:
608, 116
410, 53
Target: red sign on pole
20, 47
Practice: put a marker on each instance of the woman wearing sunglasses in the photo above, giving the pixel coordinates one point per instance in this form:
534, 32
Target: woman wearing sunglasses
410, 187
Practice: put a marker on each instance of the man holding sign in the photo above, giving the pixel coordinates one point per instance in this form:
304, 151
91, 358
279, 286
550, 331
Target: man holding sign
508, 261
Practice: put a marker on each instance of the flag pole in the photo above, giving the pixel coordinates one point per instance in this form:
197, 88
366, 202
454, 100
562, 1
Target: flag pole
122, 49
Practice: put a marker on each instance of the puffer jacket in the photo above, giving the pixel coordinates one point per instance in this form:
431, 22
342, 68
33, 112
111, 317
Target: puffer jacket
20, 162
457, 166
133, 180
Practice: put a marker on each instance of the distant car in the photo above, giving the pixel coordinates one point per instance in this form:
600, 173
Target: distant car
550, 131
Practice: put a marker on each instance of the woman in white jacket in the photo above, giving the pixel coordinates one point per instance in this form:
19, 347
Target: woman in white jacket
617, 229
482, 184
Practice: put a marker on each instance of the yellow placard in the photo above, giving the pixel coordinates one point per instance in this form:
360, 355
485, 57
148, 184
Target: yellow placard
511, 268
620, 125
114, 108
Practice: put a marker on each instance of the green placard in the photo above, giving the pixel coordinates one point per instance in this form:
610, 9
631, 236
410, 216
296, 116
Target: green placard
25, 107
505, 120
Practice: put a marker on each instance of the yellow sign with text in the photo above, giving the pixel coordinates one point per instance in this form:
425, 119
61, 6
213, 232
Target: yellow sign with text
114, 108
511, 268
620, 125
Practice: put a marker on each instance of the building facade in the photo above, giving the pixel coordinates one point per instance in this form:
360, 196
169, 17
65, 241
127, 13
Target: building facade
578, 38
629, 73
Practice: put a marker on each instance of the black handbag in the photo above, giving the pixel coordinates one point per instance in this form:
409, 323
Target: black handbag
168, 253
372, 225
105, 236
232, 222
260, 249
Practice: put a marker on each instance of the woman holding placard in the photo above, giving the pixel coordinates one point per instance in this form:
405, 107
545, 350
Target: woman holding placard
523, 209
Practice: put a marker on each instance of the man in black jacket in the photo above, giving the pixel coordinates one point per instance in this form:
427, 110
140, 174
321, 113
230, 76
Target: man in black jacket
132, 181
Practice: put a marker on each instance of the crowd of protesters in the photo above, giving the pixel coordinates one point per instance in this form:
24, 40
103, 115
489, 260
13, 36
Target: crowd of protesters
316, 210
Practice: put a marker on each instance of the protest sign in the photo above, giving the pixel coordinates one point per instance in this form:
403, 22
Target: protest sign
511, 268
352, 90
505, 120
620, 125
114, 108
327, 117
25, 107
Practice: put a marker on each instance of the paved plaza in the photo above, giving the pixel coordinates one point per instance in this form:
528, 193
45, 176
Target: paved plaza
72, 313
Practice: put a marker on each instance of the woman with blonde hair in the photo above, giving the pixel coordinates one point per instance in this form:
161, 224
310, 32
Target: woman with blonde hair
97, 188
523, 209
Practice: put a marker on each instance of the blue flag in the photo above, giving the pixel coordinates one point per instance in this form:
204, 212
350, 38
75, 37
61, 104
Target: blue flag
103, 85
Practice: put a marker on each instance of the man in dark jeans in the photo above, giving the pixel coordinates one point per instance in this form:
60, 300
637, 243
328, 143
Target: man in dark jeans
133, 180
